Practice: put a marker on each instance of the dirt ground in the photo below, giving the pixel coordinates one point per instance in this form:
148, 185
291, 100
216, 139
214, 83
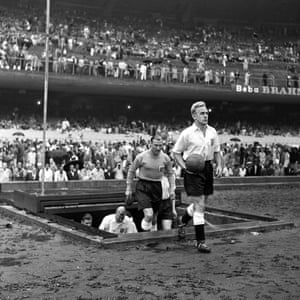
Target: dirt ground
36, 264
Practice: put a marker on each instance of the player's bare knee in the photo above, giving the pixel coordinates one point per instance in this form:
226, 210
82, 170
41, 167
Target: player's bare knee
148, 215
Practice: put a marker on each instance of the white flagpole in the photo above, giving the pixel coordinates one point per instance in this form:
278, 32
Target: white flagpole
45, 94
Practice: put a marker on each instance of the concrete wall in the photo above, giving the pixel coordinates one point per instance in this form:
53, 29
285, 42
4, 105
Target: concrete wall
111, 186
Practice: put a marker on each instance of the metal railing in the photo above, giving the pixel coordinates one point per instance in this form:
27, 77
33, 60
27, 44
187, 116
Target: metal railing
219, 76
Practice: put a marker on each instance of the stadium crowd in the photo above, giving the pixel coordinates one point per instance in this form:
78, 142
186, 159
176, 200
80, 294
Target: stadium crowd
141, 49
145, 49
70, 159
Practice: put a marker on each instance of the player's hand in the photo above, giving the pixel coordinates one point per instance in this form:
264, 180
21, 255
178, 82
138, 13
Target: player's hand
174, 212
129, 198
189, 172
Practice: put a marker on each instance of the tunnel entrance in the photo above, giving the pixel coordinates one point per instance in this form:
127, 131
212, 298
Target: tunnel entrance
63, 209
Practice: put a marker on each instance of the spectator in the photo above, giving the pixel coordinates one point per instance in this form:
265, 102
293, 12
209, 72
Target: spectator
30, 172
286, 161
97, 172
242, 171
65, 126
31, 156
86, 172
236, 170
270, 170
254, 168
72, 173
245, 65
279, 170
60, 174
247, 79
185, 74
110, 153
5, 173
87, 220
118, 223
232, 77
265, 79
48, 174
227, 171
108, 173
118, 172
224, 60
19, 172
236, 76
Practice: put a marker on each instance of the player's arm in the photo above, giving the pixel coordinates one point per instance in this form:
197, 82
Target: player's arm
171, 177
178, 149
174, 207
130, 176
131, 173
217, 156
218, 160
172, 185
179, 160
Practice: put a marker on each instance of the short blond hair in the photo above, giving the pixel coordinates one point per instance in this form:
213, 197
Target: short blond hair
196, 105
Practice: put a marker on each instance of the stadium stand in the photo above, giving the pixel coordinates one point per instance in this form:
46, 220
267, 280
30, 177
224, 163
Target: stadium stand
221, 54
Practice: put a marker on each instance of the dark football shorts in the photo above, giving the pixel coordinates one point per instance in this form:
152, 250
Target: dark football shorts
165, 210
200, 184
148, 194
